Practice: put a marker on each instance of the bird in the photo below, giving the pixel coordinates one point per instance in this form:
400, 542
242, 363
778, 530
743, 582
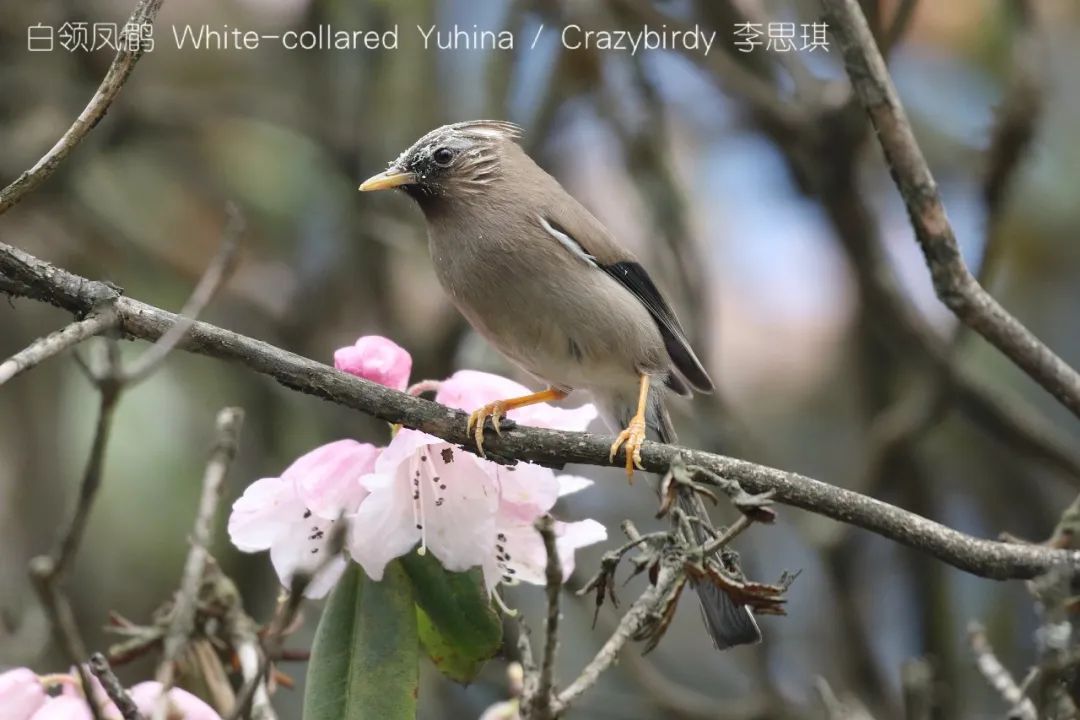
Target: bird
544, 281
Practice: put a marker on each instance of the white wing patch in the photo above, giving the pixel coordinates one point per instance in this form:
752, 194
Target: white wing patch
566, 241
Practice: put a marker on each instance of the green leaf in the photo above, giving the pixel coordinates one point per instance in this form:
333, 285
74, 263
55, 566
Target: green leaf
458, 626
454, 664
364, 662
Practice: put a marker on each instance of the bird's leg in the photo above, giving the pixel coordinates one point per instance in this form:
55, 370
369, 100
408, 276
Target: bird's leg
499, 408
634, 434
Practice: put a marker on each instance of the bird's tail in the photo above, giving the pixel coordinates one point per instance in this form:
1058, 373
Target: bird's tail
729, 624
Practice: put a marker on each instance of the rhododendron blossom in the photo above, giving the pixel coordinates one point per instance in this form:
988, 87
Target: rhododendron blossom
419, 492
26, 696
292, 515
377, 359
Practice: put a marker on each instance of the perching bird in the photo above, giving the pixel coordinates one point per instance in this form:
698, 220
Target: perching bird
545, 283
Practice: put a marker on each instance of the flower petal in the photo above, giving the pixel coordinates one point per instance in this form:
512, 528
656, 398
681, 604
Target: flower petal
377, 359
303, 549
60, 708
458, 500
265, 512
328, 478
569, 484
526, 491
469, 389
21, 694
526, 558
186, 706
384, 527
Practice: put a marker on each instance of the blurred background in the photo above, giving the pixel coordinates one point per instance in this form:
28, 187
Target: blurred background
782, 243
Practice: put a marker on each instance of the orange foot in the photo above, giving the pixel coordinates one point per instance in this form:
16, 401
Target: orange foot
634, 434
632, 438
498, 409
478, 418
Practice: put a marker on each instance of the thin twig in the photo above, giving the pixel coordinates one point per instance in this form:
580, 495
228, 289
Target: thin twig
917, 683
540, 704
276, 630
998, 675
547, 447
669, 574
227, 430
953, 282
55, 343
121, 67
725, 537
215, 275
99, 666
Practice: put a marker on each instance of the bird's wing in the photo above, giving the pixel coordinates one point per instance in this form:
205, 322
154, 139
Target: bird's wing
583, 236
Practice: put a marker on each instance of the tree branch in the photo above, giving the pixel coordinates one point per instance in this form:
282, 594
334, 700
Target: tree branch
99, 666
539, 705
998, 675
55, 343
122, 65
182, 624
669, 574
953, 282
24, 274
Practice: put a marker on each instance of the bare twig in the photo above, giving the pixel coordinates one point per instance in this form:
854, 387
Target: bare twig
55, 343
46, 571
540, 704
215, 275
953, 282
254, 688
998, 675
917, 683
669, 575
122, 65
547, 447
99, 666
57, 607
182, 624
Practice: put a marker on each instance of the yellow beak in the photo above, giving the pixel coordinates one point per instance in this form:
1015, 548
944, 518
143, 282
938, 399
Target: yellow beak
386, 180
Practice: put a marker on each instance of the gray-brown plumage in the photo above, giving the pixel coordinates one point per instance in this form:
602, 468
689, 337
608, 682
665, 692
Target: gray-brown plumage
543, 280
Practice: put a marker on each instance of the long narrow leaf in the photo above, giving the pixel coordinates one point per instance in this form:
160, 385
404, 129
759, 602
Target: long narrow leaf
364, 662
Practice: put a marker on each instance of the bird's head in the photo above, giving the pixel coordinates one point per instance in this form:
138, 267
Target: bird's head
463, 158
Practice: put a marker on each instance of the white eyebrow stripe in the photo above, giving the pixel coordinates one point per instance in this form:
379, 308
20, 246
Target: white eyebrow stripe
567, 242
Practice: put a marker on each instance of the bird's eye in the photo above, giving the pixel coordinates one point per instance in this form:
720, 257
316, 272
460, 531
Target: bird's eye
443, 156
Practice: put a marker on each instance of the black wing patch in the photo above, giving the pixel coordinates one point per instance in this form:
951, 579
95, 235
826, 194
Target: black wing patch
634, 278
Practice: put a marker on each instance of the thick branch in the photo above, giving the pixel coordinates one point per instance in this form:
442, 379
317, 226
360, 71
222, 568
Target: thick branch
953, 282
118, 73
24, 274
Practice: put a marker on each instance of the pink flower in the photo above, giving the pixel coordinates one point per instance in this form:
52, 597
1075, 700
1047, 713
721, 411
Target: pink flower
519, 550
457, 505
291, 515
21, 694
65, 707
468, 390
418, 491
425, 491
377, 359
182, 704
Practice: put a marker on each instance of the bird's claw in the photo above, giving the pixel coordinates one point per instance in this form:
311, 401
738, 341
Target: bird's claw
632, 438
478, 418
